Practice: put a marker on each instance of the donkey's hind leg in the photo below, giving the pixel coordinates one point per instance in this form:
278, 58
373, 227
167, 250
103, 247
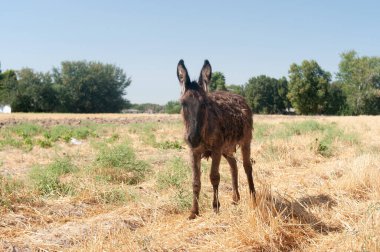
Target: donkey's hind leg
246, 152
234, 174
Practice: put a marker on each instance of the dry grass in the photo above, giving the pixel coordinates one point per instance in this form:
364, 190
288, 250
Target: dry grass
317, 180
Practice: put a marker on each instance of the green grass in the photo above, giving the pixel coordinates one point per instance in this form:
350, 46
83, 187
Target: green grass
177, 176
11, 191
262, 131
119, 164
325, 135
65, 132
174, 145
174, 175
48, 179
26, 135
113, 196
146, 132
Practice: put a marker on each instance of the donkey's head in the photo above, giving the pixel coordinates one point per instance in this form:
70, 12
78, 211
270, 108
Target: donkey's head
193, 101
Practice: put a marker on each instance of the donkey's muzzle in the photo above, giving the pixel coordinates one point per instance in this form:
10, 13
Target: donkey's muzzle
193, 140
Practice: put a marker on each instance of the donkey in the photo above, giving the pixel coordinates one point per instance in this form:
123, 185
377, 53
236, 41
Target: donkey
216, 123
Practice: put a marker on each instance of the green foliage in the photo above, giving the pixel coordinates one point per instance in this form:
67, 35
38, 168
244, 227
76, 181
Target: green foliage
112, 196
77, 86
218, 82
336, 100
9, 191
360, 81
8, 82
147, 107
27, 135
119, 164
146, 132
236, 89
175, 174
65, 132
48, 179
90, 87
308, 87
20, 135
262, 131
170, 145
34, 92
172, 107
266, 95
326, 135
183, 199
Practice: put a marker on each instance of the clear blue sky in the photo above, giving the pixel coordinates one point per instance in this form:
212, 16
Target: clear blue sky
242, 39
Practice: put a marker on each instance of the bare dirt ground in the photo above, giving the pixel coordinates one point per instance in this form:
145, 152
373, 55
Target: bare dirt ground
76, 119
317, 188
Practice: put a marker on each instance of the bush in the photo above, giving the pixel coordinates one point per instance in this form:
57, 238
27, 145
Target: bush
119, 164
47, 180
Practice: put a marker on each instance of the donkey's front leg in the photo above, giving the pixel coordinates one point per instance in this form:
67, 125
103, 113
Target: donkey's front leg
196, 167
215, 179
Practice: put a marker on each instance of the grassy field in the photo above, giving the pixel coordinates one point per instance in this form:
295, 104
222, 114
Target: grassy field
123, 183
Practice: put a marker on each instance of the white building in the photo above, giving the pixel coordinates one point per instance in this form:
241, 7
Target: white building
5, 109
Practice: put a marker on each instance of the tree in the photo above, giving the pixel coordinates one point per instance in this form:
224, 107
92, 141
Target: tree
34, 92
172, 107
266, 95
308, 87
91, 87
218, 82
236, 89
8, 83
147, 107
360, 80
336, 100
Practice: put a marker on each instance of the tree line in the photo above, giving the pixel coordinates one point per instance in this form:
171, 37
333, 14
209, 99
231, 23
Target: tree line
310, 90
93, 87
75, 87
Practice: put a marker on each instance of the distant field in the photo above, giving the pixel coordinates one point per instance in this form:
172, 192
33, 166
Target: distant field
113, 182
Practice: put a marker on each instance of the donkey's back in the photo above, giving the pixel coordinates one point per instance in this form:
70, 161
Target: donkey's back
233, 118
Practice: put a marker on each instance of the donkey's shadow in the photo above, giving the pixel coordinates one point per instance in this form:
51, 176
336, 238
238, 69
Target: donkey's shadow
297, 209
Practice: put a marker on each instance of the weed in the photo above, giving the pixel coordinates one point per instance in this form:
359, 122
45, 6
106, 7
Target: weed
326, 135
146, 132
13, 191
47, 180
8, 189
26, 130
112, 196
44, 143
170, 145
174, 175
262, 130
114, 137
65, 133
183, 199
119, 164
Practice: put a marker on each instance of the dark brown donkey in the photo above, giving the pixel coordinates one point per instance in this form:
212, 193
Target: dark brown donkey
216, 123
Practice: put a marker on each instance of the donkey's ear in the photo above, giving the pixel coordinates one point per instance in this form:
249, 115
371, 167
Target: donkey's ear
205, 76
183, 76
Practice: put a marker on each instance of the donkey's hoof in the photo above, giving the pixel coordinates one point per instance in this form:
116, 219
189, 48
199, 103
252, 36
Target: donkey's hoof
235, 199
192, 216
216, 207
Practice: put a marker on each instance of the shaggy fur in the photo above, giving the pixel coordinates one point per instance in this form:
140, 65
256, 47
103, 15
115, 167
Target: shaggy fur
216, 124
